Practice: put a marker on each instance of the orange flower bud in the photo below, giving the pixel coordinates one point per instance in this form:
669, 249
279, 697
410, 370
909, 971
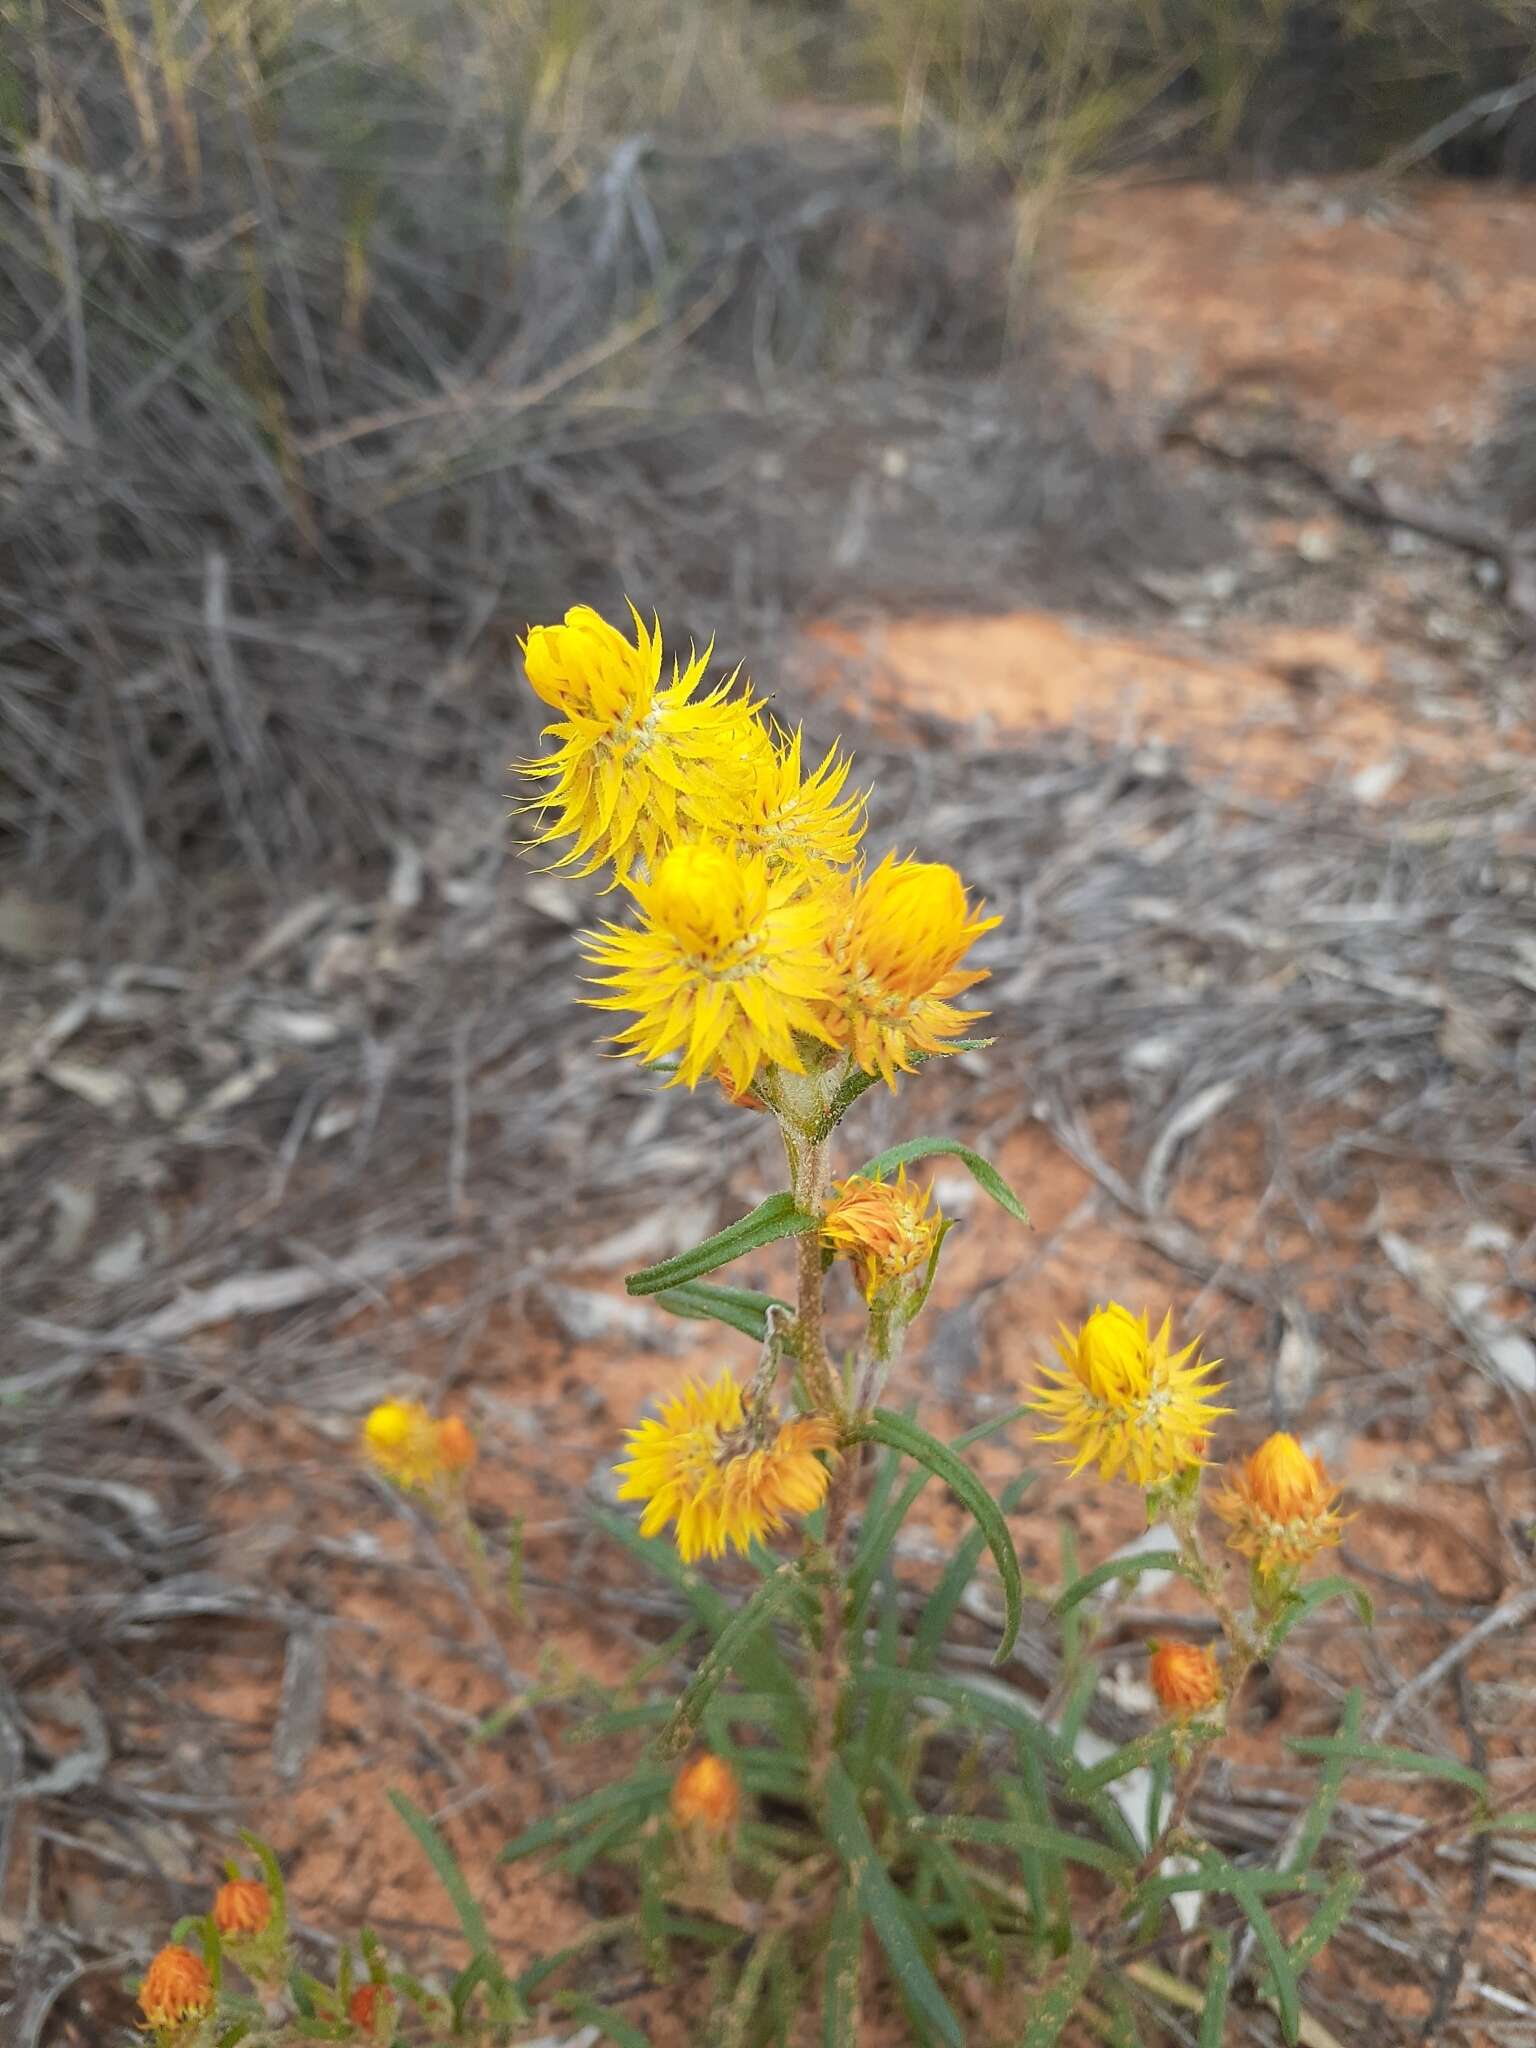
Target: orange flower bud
364, 2005
1185, 1677
176, 1987
456, 1444
243, 1906
1281, 1506
707, 1795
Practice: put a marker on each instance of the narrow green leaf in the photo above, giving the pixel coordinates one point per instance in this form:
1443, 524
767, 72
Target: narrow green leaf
1017, 1834
1213, 2014
1327, 1920
471, 1919
1287, 1993
939, 1609
842, 1971
1310, 1598
1507, 1824
897, 1433
1387, 1756
646, 1791
883, 1906
272, 1872
949, 1871
1143, 1750
1329, 1785
1133, 1567
982, 1171
1060, 2001
777, 1217
739, 1308
609, 2024
722, 1658
1217, 1875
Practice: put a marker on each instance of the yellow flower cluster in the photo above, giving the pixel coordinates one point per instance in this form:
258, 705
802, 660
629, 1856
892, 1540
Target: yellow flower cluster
762, 941
726, 1478
415, 1450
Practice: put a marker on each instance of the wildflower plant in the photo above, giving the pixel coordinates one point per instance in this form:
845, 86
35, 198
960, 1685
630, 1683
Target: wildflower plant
835, 1812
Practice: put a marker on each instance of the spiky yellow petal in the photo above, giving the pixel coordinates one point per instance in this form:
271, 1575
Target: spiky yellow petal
799, 820
902, 938
1125, 1398
638, 763
726, 1480
886, 1228
1281, 1506
728, 965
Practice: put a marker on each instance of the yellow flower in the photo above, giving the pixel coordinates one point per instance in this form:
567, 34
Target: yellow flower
1282, 1506
728, 965
413, 1449
706, 1795
797, 820
639, 763
884, 1227
243, 1906
1126, 1399
722, 1478
176, 1988
905, 934
1185, 1677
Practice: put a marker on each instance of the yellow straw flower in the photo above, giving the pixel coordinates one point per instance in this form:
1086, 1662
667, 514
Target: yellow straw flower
638, 763
797, 820
706, 1795
1125, 1398
728, 965
885, 1227
176, 1988
1185, 1677
723, 1480
413, 1449
1282, 1506
907, 930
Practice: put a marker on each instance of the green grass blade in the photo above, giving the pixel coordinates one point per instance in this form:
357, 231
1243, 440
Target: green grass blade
471, 1919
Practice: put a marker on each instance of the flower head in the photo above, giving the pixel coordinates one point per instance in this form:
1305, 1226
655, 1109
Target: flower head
639, 763
176, 1988
729, 964
723, 1477
885, 1227
243, 1906
413, 1449
1185, 1677
1282, 1506
798, 820
905, 933
706, 1795
1124, 1397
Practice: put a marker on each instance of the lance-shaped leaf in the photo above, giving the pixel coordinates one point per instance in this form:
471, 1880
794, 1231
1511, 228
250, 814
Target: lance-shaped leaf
1387, 1756
1310, 1598
1129, 1567
739, 1308
777, 1217
898, 1433
982, 1171
1060, 2001
728, 1646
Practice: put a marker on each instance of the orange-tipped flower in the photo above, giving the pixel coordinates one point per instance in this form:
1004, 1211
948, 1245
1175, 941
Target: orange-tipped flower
456, 1443
243, 1906
366, 2002
707, 1796
885, 1227
1185, 1677
176, 1988
1281, 1506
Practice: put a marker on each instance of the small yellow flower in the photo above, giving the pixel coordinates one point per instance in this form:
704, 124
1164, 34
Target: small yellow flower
1185, 1677
728, 966
176, 1988
1125, 1398
411, 1448
905, 933
796, 820
706, 1795
243, 1906
1282, 1506
639, 763
723, 1478
885, 1227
